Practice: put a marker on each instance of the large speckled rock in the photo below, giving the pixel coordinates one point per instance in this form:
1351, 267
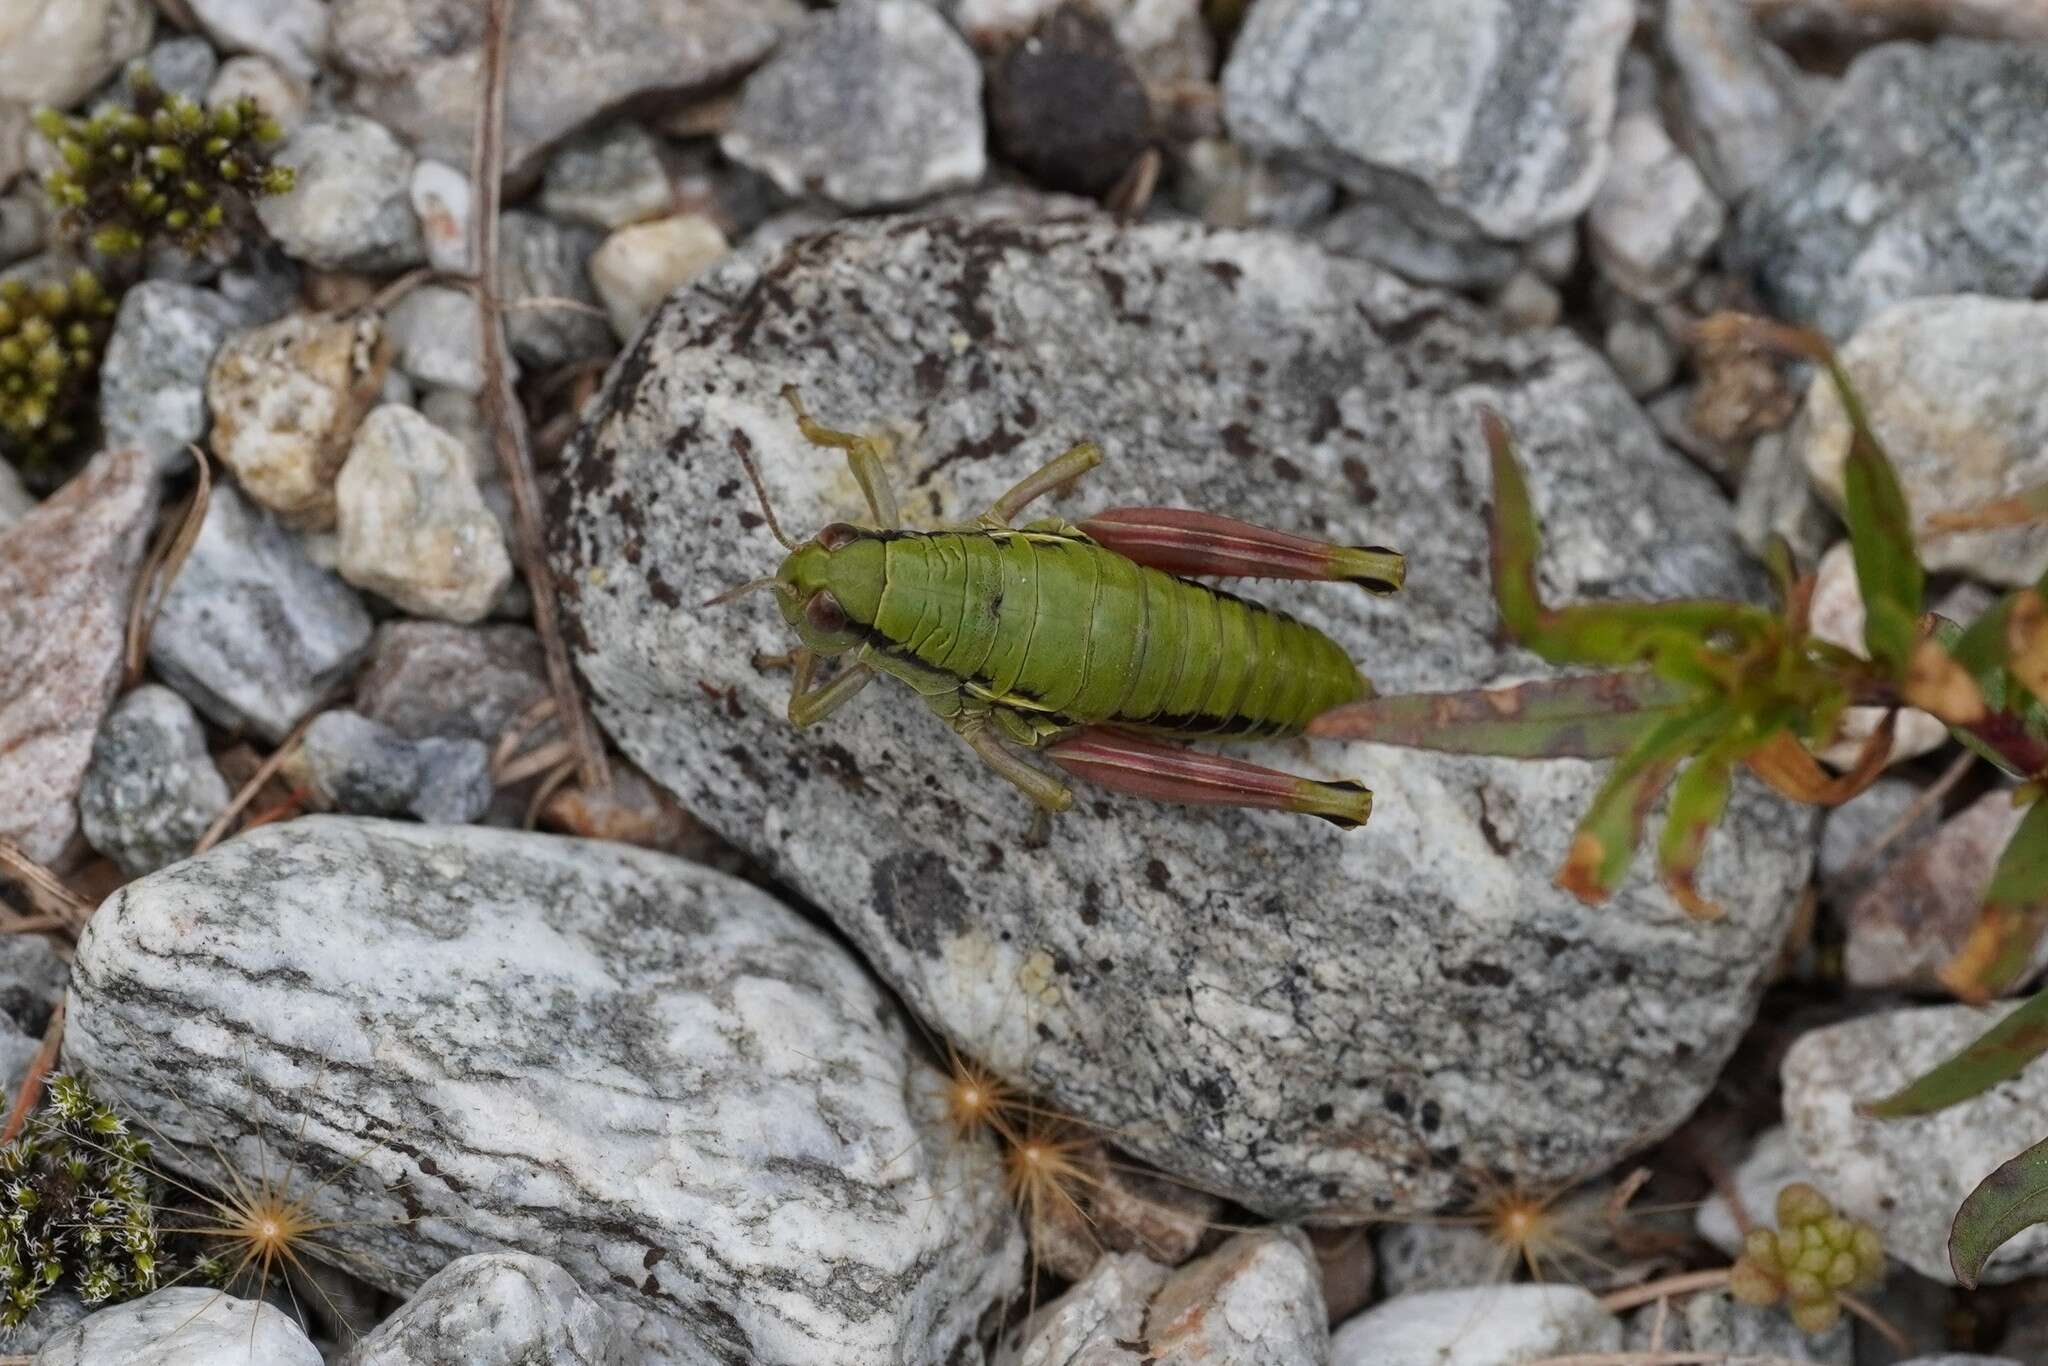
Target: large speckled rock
494, 1309
1479, 1326
1288, 1015
183, 1326
1907, 1176
415, 62
1925, 178
1953, 386
66, 570
1477, 116
695, 1102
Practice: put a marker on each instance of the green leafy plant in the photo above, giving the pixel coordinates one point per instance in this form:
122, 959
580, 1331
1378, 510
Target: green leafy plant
75, 1206
51, 337
161, 170
1808, 1261
1693, 689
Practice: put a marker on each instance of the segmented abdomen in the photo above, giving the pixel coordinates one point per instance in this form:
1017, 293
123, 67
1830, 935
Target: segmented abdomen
1059, 625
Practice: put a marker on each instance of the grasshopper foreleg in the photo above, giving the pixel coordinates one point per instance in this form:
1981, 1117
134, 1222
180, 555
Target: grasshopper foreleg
1049, 792
809, 705
1197, 544
1122, 762
861, 453
1076, 461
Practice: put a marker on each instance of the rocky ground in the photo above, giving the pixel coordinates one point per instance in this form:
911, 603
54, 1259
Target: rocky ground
665, 1064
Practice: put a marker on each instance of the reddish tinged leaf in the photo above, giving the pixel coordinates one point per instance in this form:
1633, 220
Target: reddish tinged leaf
2000, 949
1790, 768
1197, 544
2030, 505
1588, 716
1697, 803
1997, 1054
2011, 1199
2026, 638
1605, 843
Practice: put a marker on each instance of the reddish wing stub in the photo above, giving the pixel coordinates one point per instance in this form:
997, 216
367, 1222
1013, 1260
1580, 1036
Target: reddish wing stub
1195, 544
1124, 763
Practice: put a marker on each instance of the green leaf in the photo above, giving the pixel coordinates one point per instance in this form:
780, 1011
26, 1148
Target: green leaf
1697, 805
2008, 1201
1880, 535
1605, 843
1996, 1055
2000, 949
2014, 733
1588, 716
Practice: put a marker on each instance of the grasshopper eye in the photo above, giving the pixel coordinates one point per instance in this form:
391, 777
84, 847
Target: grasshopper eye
838, 535
824, 613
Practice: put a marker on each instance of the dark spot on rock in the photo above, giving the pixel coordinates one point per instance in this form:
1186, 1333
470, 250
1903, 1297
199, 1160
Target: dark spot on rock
1432, 1115
1286, 470
839, 761
662, 591
1325, 1112
1360, 479
1237, 439
1623, 972
653, 1257
916, 895
1396, 1103
1490, 831
1331, 1190
1103, 965
1481, 974
1156, 875
1328, 419
931, 374
1228, 273
1091, 903
727, 489
750, 519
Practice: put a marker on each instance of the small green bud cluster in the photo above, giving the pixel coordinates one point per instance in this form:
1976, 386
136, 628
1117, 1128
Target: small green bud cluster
74, 1203
1809, 1260
51, 336
161, 169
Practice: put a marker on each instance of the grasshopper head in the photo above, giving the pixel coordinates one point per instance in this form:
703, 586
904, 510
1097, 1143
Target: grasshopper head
830, 587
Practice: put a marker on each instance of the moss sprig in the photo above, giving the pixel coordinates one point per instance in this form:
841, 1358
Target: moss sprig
161, 169
75, 1206
51, 337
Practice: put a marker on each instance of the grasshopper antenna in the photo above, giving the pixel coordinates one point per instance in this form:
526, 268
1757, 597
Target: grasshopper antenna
740, 591
741, 448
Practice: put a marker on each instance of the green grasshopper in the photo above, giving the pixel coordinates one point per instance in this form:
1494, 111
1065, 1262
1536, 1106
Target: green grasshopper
1087, 643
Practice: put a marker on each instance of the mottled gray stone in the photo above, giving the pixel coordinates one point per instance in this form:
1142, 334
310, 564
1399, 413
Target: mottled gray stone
607, 178
1907, 1176
432, 678
262, 282
1775, 498
15, 500
1256, 1301
1227, 187
152, 789
32, 979
1418, 1255
1848, 830
1910, 923
695, 1102
415, 63
1260, 1006
53, 1312
251, 631
1379, 233
437, 338
351, 208
494, 1309
540, 259
1954, 386
153, 379
455, 781
1654, 218
364, 768
1740, 105
875, 102
1717, 1323
1480, 116
1480, 1326
1923, 179
414, 526
1772, 1164
292, 33
183, 66
55, 52
66, 572
182, 1326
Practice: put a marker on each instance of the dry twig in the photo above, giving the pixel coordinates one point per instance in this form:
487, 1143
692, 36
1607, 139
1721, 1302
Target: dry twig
161, 567
501, 403
38, 1068
249, 789
45, 888
1685, 1283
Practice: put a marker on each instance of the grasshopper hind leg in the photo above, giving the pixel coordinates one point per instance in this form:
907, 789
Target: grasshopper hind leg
1123, 762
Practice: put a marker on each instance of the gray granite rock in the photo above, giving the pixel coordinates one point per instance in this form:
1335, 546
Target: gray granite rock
494, 1309
251, 631
262, 282
56, 52
1379, 233
437, 338
1481, 1326
1741, 106
608, 177
153, 378
1923, 179
351, 207
1849, 830
182, 1326
183, 66
292, 33
32, 979
283, 96
1907, 1176
553, 314
1419, 1255
460, 682
15, 501
414, 526
1913, 920
414, 63
364, 768
875, 102
1655, 218
1773, 497
1225, 186
695, 1102
54, 1312
1479, 118
1358, 1002
1953, 385
1256, 1300
1717, 1323
66, 572
152, 789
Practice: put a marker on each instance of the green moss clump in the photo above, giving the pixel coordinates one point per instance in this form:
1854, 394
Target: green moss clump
51, 337
1809, 1260
74, 1206
163, 169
